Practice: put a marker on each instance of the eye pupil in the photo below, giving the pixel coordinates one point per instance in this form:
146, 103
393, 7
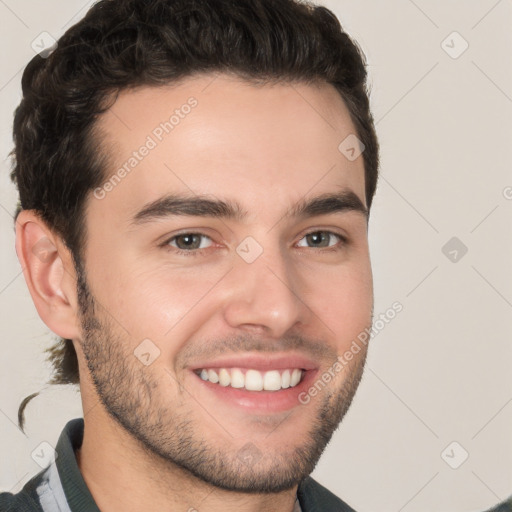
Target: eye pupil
188, 241
318, 237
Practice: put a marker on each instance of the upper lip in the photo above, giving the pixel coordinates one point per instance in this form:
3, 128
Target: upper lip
261, 362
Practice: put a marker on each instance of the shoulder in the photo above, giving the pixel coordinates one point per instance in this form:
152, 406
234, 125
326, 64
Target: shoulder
21, 502
27, 500
506, 506
314, 497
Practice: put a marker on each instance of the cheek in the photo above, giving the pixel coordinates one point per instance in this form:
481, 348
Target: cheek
343, 300
160, 303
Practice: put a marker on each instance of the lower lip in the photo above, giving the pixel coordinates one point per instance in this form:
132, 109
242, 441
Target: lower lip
261, 401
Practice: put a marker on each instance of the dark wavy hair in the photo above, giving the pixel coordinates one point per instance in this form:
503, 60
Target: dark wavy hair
120, 44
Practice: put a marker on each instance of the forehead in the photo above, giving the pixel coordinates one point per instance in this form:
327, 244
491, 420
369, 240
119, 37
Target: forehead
267, 146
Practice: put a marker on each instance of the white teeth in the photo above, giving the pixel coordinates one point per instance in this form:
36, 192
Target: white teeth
285, 379
272, 381
237, 378
295, 378
253, 380
224, 377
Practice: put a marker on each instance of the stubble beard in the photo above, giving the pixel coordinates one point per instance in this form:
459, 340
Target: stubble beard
129, 393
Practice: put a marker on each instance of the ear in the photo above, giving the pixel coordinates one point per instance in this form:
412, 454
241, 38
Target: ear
49, 273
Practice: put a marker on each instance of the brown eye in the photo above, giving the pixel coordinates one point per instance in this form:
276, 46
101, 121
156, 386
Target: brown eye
190, 241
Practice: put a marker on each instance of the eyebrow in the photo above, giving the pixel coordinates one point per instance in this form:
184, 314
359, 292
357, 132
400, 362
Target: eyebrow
203, 206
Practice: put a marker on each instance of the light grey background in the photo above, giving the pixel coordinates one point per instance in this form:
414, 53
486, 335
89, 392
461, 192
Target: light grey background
440, 371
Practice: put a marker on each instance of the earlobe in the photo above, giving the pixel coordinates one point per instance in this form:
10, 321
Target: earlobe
49, 274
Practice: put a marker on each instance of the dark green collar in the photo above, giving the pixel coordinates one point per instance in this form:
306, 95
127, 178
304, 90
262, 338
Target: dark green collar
78, 495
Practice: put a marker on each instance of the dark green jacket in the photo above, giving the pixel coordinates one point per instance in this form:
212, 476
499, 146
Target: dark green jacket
312, 496
506, 506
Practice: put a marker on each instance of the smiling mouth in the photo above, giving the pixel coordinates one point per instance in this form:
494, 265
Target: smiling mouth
251, 379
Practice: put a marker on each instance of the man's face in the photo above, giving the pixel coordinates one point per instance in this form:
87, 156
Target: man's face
204, 263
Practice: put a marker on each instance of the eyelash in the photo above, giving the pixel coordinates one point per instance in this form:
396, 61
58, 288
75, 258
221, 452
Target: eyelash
198, 252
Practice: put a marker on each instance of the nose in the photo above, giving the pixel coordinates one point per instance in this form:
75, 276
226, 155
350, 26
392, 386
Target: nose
264, 297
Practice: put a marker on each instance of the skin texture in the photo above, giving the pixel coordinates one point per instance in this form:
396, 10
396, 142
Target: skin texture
156, 437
